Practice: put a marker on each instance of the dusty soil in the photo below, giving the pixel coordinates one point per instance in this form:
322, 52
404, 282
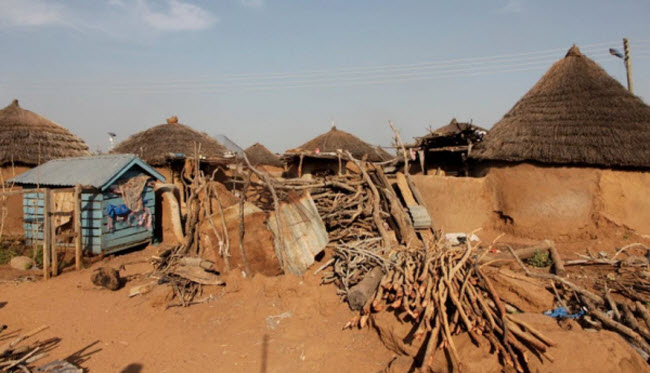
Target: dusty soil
231, 333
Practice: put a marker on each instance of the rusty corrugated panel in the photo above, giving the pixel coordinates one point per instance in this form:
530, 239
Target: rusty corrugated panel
302, 234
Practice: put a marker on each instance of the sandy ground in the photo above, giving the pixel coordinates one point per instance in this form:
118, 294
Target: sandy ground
228, 334
231, 333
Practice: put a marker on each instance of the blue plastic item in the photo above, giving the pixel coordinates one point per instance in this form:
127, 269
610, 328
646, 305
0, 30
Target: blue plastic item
563, 313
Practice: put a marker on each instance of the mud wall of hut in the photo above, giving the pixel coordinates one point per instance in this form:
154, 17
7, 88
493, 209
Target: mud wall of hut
560, 203
12, 206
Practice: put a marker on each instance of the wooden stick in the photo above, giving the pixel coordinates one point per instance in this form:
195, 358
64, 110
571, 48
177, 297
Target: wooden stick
618, 327
558, 264
242, 250
641, 308
46, 234
379, 222
612, 305
77, 227
55, 256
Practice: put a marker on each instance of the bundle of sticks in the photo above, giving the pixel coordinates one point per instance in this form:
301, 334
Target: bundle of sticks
627, 313
15, 356
379, 262
443, 291
185, 274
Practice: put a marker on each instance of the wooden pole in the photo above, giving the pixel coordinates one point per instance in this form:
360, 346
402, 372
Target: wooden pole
77, 227
55, 256
46, 234
628, 65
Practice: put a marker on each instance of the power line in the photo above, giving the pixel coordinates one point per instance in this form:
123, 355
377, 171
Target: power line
450, 68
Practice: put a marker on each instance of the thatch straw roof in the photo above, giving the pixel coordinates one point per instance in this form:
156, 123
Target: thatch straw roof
155, 144
454, 133
576, 114
259, 155
29, 139
335, 139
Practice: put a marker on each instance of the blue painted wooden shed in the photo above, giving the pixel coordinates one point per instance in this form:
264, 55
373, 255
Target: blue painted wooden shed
117, 199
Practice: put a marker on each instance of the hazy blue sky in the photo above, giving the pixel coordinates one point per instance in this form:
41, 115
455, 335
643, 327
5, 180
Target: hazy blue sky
280, 72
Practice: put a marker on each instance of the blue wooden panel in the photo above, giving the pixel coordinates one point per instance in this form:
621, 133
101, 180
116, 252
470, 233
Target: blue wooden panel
92, 214
38, 234
137, 237
109, 236
97, 232
32, 202
28, 210
91, 196
95, 241
91, 205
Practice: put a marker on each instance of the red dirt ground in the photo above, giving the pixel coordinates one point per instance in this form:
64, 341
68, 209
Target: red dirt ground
228, 334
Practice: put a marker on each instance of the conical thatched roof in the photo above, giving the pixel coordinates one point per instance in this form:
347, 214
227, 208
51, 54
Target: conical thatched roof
155, 144
28, 138
576, 114
335, 139
259, 155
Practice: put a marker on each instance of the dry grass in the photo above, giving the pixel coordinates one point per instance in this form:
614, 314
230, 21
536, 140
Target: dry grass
335, 139
155, 144
259, 155
576, 114
29, 139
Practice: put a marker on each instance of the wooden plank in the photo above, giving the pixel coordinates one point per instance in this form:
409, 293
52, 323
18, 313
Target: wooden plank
77, 227
33, 210
94, 214
46, 241
55, 256
123, 232
30, 234
404, 188
18, 191
63, 190
34, 202
87, 196
416, 192
142, 236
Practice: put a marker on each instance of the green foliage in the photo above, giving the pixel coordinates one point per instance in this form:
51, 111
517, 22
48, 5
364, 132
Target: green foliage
6, 254
541, 259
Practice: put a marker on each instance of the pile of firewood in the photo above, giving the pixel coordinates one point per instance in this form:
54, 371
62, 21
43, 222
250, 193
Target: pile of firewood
185, 274
379, 262
443, 291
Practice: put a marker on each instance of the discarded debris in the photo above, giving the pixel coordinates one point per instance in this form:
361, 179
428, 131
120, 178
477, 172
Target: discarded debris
107, 277
272, 322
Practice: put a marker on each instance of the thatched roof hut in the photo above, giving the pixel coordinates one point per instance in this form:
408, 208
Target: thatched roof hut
334, 140
155, 144
576, 114
259, 155
29, 139
455, 136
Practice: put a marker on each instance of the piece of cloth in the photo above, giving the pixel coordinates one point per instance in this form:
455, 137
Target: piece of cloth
114, 212
131, 192
563, 313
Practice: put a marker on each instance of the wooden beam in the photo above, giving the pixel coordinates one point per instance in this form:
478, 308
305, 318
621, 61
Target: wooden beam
77, 227
46, 234
404, 188
55, 257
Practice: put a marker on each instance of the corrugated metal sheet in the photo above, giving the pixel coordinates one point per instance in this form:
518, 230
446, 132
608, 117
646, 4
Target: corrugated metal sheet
302, 236
229, 144
420, 216
96, 171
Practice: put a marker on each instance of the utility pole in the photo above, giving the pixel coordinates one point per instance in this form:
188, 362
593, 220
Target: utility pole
628, 65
